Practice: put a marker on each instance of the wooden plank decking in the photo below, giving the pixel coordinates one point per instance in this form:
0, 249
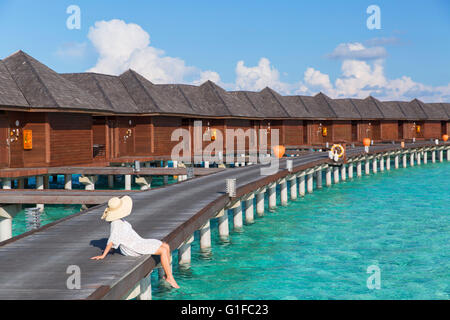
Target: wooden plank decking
34, 266
24, 172
52, 196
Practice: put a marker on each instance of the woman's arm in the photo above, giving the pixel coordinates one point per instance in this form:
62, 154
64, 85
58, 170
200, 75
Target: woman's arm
108, 247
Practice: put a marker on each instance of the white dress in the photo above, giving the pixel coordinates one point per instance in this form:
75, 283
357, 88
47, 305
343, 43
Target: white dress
131, 244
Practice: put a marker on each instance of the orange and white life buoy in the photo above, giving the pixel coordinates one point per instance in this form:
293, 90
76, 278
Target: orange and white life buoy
340, 152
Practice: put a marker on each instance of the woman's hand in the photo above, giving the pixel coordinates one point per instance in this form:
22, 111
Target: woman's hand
108, 247
98, 258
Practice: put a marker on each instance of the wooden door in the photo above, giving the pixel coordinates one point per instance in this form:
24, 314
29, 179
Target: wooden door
4, 148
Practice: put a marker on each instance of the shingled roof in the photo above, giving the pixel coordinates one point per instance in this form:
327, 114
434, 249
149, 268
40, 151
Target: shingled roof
107, 89
390, 110
295, 107
27, 83
204, 100
44, 88
266, 103
433, 112
444, 106
10, 94
342, 108
318, 106
156, 98
416, 107
236, 105
367, 108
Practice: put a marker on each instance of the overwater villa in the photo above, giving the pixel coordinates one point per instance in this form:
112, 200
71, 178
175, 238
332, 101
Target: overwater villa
97, 119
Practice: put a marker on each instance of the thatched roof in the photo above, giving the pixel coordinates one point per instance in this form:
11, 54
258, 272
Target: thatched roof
27, 83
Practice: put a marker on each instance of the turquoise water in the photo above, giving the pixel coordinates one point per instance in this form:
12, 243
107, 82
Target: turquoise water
320, 246
55, 212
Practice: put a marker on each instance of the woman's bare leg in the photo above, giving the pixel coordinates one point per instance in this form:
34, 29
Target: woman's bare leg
164, 252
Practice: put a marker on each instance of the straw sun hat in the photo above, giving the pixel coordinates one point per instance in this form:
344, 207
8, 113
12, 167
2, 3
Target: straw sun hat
118, 208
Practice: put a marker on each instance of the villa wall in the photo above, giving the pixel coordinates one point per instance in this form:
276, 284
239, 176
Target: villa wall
243, 124
314, 131
432, 129
70, 138
389, 130
37, 156
293, 132
342, 131
4, 152
162, 132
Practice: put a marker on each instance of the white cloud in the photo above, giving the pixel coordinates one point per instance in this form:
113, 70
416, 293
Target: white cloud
207, 75
363, 74
357, 51
122, 46
359, 78
316, 79
258, 77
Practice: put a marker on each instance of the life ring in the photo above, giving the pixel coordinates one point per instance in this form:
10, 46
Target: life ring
340, 154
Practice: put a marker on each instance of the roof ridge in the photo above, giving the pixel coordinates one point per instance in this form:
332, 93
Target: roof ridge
38, 77
251, 103
304, 104
209, 82
401, 109
143, 88
445, 110
15, 82
329, 106
421, 107
93, 73
356, 108
184, 96
102, 91
281, 105
376, 105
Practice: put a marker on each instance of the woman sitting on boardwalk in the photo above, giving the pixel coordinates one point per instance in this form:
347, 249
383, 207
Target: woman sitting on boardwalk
131, 244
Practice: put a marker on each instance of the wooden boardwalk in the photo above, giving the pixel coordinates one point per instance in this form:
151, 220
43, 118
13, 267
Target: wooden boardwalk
24, 172
34, 266
57, 196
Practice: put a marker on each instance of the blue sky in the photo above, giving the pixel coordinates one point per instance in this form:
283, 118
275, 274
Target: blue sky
209, 38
